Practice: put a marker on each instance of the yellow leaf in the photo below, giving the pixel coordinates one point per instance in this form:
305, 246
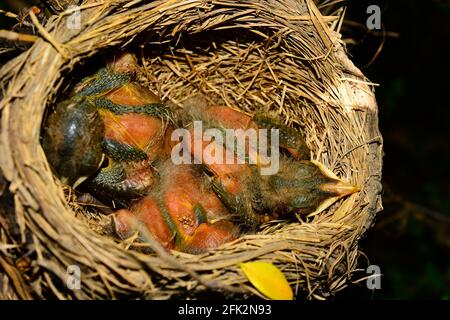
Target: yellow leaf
268, 279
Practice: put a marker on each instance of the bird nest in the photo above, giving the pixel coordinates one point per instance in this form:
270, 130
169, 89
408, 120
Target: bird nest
257, 55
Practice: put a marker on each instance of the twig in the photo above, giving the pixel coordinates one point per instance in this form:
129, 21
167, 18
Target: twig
9, 14
46, 35
14, 36
164, 255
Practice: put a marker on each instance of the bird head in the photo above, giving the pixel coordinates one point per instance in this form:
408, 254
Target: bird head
306, 187
72, 140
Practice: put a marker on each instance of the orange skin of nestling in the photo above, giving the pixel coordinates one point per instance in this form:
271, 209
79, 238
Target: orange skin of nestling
135, 129
132, 94
181, 191
228, 174
147, 212
230, 118
235, 119
210, 236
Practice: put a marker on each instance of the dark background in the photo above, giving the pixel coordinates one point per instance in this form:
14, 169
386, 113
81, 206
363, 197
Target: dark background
411, 239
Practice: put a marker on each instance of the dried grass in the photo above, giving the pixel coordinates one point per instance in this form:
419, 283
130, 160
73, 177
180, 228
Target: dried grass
281, 56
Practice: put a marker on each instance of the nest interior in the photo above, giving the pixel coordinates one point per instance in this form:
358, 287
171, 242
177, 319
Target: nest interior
281, 56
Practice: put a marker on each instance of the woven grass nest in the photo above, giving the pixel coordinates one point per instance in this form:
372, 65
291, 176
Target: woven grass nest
281, 56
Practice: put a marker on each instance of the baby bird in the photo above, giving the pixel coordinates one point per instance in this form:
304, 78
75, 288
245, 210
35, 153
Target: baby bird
111, 117
182, 213
299, 186
135, 129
